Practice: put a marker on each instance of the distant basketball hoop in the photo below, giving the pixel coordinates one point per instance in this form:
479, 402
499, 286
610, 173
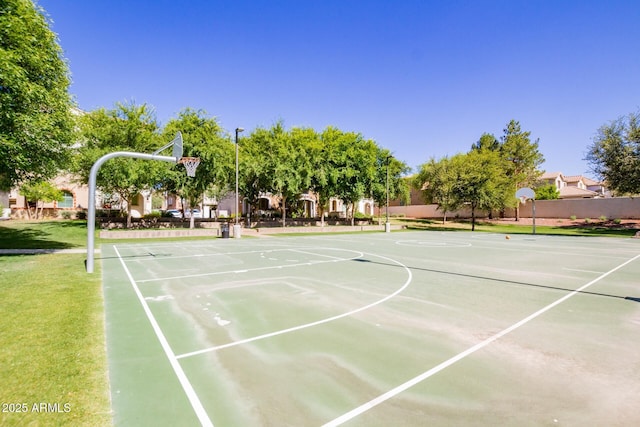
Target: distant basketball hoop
190, 164
525, 194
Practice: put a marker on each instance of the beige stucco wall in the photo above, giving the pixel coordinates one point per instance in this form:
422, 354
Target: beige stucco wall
429, 211
612, 208
63, 182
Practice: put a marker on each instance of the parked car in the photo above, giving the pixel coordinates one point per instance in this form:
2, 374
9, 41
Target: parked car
175, 213
196, 213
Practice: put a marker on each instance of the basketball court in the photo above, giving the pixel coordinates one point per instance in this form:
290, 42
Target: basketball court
406, 328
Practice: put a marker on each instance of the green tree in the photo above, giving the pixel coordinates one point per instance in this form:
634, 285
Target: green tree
324, 155
302, 141
438, 182
286, 168
356, 169
481, 181
547, 192
202, 137
396, 169
35, 119
125, 128
486, 142
522, 160
614, 155
252, 179
345, 166
39, 193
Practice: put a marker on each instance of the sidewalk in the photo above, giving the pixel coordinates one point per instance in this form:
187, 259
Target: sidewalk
44, 251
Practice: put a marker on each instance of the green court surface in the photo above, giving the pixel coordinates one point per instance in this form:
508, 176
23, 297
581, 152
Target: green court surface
389, 329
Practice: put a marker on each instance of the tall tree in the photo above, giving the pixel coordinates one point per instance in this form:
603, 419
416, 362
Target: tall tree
391, 171
480, 181
35, 119
252, 180
286, 168
522, 158
486, 142
128, 127
614, 155
324, 181
438, 182
203, 137
356, 169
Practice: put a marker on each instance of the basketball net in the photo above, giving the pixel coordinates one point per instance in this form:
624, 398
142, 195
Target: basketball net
190, 164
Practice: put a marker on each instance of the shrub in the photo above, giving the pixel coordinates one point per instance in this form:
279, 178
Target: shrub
587, 220
154, 214
66, 214
603, 217
573, 217
617, 221
360, 215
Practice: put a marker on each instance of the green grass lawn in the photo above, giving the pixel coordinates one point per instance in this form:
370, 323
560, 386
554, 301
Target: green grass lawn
53, 364
43, 234
52, 350
594, 229
52, 344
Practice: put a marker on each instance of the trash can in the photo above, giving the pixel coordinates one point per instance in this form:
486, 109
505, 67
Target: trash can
224, 229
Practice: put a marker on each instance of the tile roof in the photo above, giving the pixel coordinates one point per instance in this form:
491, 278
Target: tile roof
573, 178
589, 181
575, 192
550, 175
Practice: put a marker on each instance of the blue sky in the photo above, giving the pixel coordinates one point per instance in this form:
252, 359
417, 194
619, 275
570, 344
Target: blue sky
421, 78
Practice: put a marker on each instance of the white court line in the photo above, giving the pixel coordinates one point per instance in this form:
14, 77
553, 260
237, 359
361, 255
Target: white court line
403, 387
300, 251
200, 255
308, 325
182, 377
582, 271
271, 267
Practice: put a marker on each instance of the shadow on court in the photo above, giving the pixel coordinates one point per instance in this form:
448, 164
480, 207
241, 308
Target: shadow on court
502, 281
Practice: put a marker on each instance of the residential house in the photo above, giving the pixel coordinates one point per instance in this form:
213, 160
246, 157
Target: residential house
574, 186
269, 202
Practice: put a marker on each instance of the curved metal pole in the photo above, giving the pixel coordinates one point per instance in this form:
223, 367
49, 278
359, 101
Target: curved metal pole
91, 218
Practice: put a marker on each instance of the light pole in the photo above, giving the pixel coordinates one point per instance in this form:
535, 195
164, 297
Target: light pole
387, 224
236, 227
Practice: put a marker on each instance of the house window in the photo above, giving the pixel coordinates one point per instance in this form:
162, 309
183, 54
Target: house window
263, 204
67, 200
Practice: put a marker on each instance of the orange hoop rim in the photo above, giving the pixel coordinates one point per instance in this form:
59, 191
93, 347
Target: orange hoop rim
189, 160
190, 164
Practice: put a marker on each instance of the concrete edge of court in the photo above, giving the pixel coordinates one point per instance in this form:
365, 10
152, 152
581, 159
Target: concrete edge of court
254, 232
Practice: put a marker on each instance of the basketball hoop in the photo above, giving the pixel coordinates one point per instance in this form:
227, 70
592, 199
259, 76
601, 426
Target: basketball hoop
525, 194
190, 164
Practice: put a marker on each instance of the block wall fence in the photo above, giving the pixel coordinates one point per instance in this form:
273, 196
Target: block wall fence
612, 208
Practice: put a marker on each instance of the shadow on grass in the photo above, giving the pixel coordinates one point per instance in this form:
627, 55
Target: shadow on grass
502, 281
42, 235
